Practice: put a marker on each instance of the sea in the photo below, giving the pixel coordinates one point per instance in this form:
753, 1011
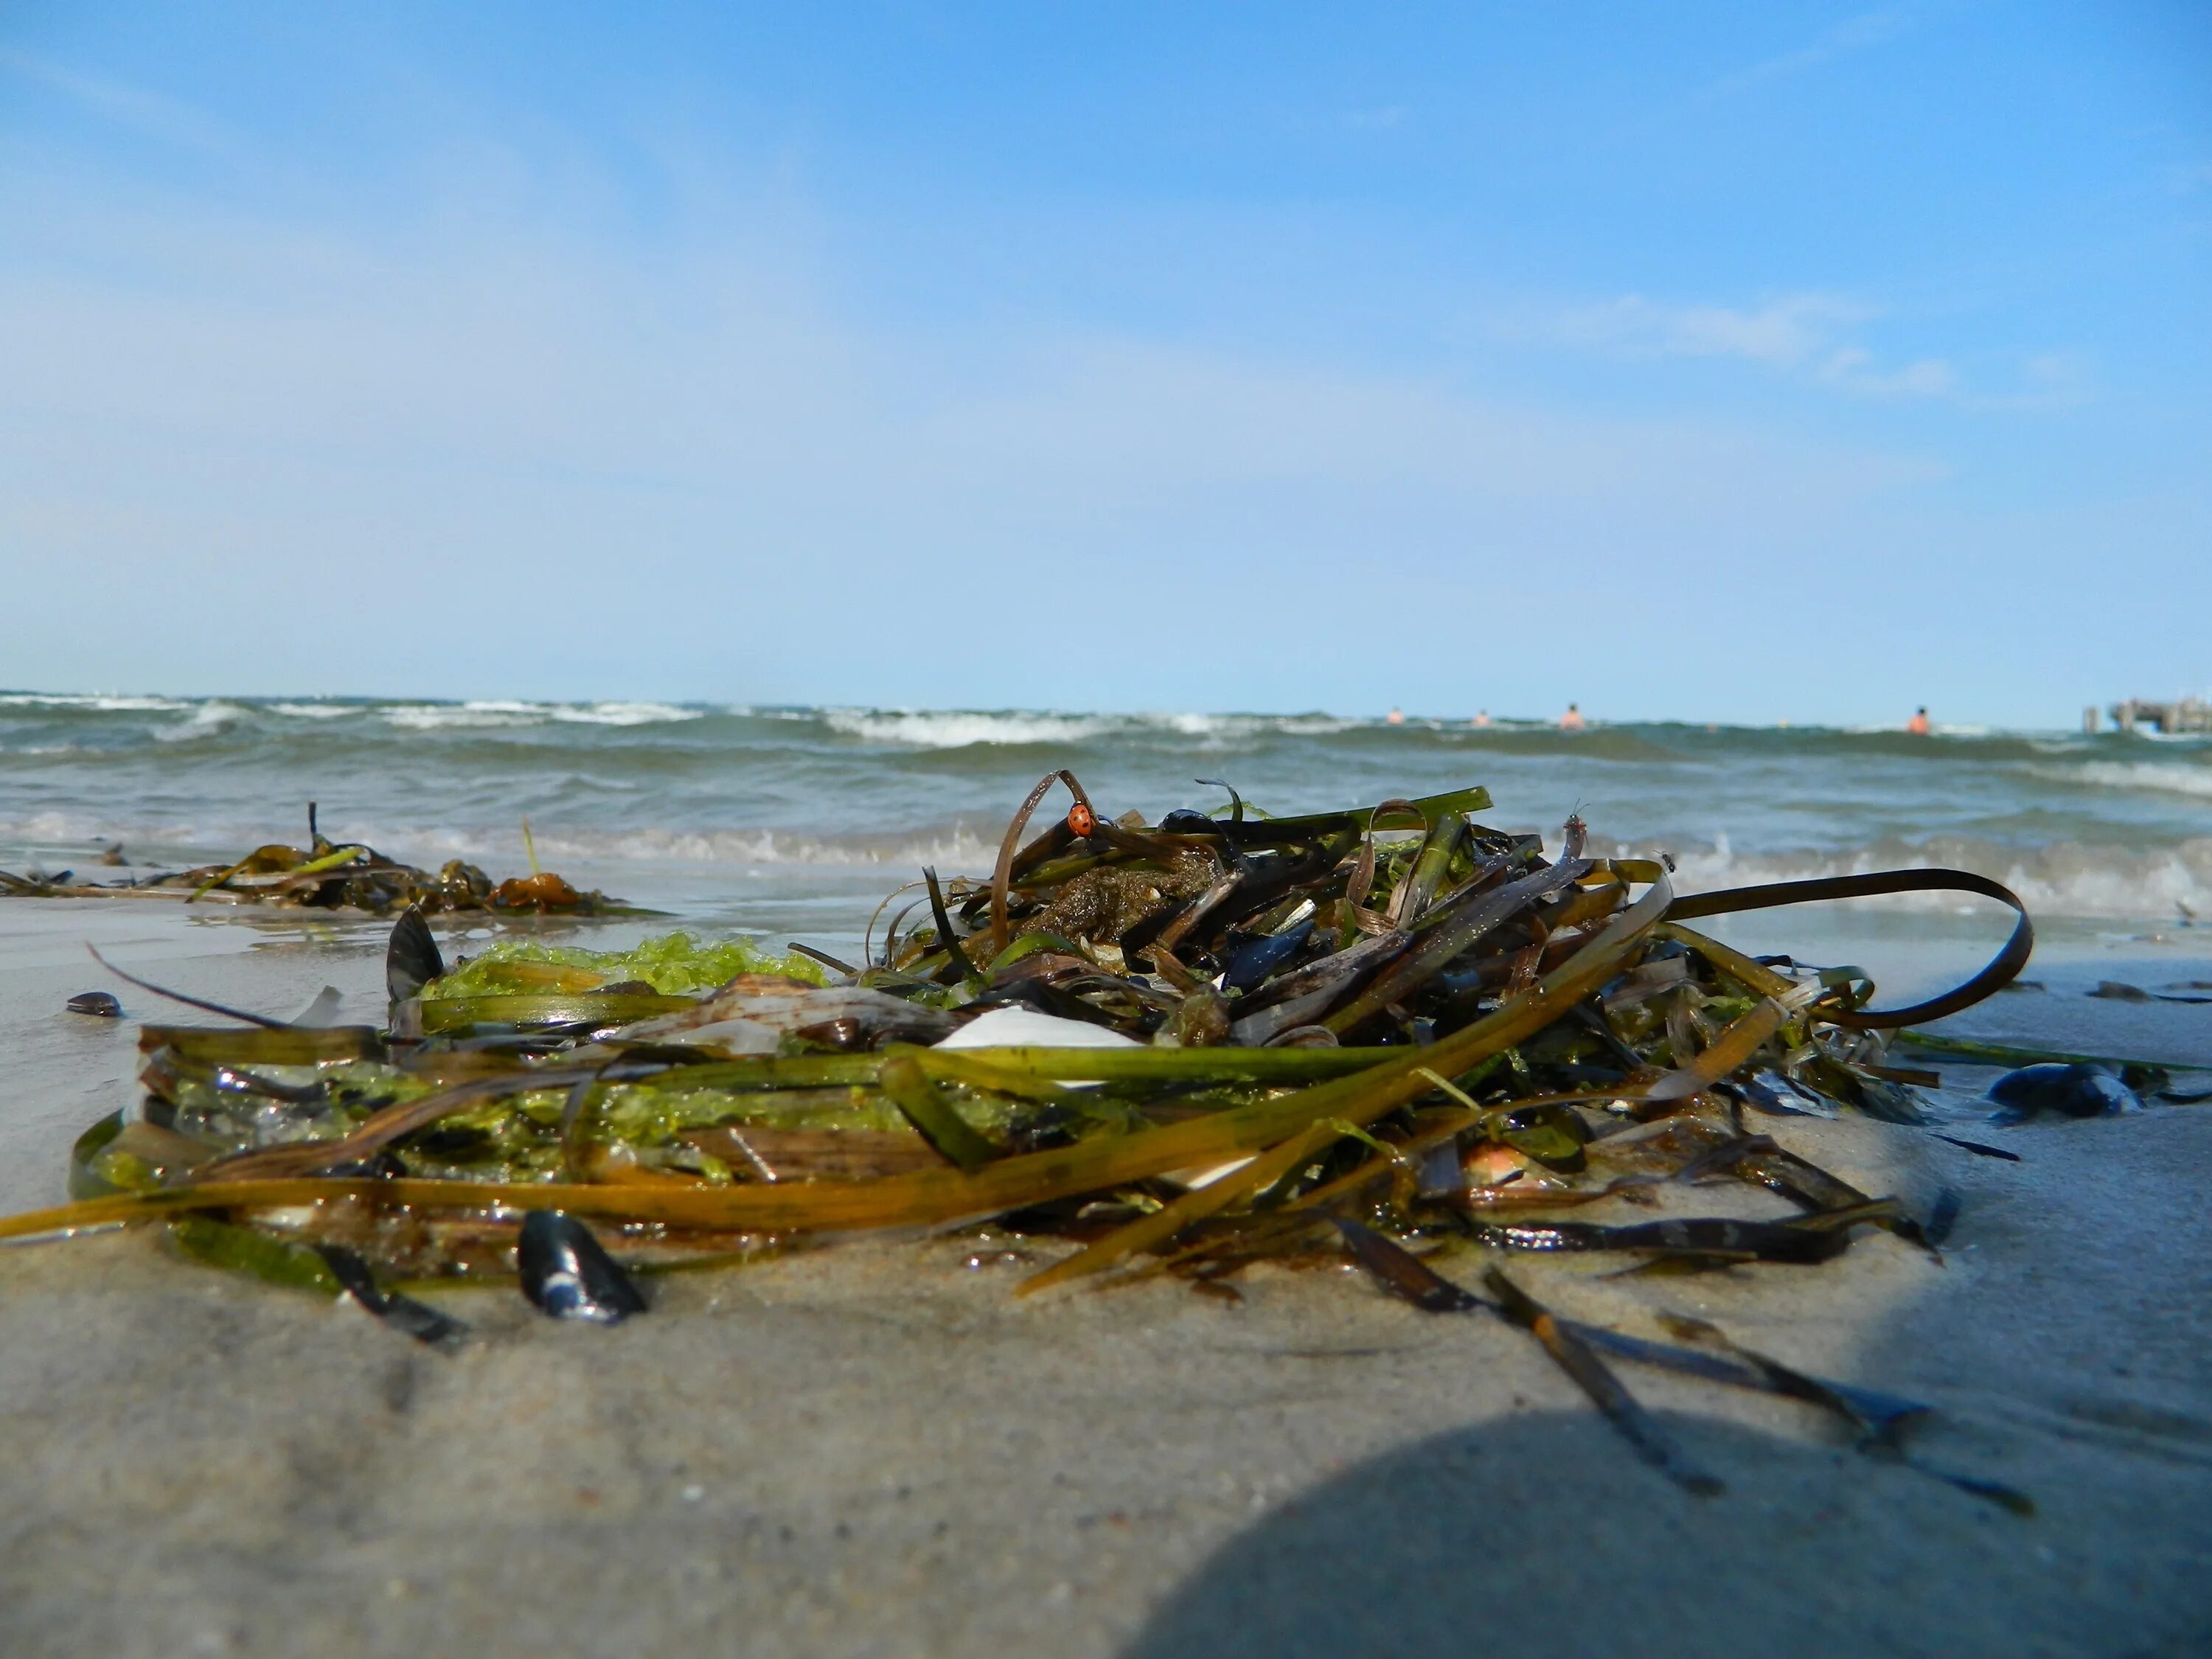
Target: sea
796, 822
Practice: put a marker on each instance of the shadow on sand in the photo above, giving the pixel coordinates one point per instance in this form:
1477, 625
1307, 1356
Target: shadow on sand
1533, 1535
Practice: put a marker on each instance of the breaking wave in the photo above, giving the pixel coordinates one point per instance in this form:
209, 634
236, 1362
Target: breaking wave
965, 728
922, 729
315, 711
491, 715
103, 704
2172, 777
207, 719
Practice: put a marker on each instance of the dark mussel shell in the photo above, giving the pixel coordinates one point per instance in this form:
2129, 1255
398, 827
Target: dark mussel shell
1252, 960
2076, 1090
99, 1004
412, 959
567, 1274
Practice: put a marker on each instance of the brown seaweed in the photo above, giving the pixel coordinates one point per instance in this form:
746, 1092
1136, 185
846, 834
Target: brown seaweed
337, 876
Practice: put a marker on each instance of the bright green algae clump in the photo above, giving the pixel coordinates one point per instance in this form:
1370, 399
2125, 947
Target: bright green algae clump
672, 963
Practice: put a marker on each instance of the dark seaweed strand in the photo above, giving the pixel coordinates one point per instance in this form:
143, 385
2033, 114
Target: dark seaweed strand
403, 1312
1593, 1376
1867, 1413
957, 967
2001, 971
1403, 1273
1881, 1419
224, 1009
1398, 1271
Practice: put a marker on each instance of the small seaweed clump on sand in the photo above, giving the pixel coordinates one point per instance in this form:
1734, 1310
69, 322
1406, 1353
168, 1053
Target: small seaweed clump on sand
1183, 1047
327, 875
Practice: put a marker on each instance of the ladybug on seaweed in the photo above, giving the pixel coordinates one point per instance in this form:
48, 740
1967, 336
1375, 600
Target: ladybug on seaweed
1081, 820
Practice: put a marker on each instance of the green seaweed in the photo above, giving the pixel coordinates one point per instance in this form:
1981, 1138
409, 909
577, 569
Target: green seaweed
674, 964
250, 1250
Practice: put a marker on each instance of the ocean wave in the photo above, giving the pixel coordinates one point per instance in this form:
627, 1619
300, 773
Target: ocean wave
623, 714
100, 704
491, 714
446, 717
966, 728
925, 729
954, 849
2168, 777
207, 720
314, 711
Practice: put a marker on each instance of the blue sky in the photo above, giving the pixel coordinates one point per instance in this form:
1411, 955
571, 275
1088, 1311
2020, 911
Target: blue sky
1708, 362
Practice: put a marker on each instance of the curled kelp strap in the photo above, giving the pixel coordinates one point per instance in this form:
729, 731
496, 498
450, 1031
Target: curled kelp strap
1002, 875
2000, 972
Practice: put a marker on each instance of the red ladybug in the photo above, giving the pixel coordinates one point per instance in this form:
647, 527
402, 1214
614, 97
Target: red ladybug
1081, 820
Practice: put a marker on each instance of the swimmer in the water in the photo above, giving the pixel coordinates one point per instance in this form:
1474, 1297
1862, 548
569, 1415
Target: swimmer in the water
1918, 724
1396, 717
1481, 718
1572, 721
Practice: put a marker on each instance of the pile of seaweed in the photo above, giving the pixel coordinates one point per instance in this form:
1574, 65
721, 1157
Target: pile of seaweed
327, 875
1181, 1046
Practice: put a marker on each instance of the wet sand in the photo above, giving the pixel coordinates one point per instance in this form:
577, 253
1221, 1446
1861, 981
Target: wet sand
874, 1449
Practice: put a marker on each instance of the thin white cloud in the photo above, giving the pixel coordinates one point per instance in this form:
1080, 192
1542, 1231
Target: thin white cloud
1812, 337
1806, 335
2049, 380
1851, 36
1784, 333
147, 113
1854, 370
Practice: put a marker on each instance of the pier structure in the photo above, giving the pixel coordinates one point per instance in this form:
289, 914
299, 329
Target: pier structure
2189, 714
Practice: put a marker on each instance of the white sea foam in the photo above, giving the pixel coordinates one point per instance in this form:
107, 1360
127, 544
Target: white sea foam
105, 704
623, 714
928, 729
953, 849
314, 711
207, 719
491, 714
444, 717
961, 728
2168, 777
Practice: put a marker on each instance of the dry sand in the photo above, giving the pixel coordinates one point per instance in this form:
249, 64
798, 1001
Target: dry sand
874, 1449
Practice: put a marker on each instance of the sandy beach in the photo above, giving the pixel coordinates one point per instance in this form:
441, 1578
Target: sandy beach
875, 1449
